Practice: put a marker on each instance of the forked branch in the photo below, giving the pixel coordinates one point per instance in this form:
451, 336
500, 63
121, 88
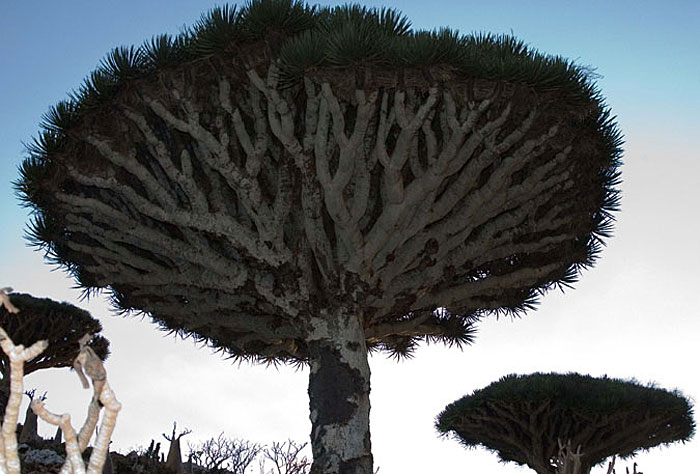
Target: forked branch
568, 460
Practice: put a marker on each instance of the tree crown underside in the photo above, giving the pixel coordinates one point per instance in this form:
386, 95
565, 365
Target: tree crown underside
524, 417
268, 166
61, 324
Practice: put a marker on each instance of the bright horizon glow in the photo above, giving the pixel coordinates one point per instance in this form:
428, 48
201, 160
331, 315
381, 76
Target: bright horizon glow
631, 316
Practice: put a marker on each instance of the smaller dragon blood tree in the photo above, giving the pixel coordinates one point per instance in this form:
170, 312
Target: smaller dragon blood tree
569, 423
86, 362
61, 324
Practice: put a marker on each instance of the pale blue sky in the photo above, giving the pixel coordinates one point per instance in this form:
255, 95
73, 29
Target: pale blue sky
633, 315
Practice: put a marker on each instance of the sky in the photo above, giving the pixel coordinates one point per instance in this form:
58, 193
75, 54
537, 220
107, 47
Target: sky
633, 315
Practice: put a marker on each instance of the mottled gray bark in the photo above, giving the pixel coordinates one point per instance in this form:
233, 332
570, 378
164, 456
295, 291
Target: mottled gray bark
339, 396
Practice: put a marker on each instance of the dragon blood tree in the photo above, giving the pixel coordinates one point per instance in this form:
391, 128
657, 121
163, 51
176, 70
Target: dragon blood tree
567, 423
302, 184
62, 325
87, 363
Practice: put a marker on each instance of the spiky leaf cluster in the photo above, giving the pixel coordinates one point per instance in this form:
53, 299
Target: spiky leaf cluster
523, 417
352, 47
340, 37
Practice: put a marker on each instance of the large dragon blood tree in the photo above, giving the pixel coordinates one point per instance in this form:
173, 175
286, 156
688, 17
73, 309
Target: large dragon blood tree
304, 184
62, 325
567, 423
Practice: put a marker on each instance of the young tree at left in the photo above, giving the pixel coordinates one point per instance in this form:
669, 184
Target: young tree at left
61, 324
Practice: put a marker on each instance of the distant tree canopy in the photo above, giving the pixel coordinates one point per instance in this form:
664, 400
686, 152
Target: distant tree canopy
523, 418
61, 324
305, 184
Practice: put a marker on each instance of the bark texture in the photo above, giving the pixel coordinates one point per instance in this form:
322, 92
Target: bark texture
339, 386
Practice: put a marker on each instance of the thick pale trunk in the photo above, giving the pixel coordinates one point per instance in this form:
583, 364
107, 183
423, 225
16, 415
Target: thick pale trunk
339, 396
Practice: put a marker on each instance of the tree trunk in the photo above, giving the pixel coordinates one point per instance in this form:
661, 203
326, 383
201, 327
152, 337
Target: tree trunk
174, 459
339, 396
29, 428
108, 467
